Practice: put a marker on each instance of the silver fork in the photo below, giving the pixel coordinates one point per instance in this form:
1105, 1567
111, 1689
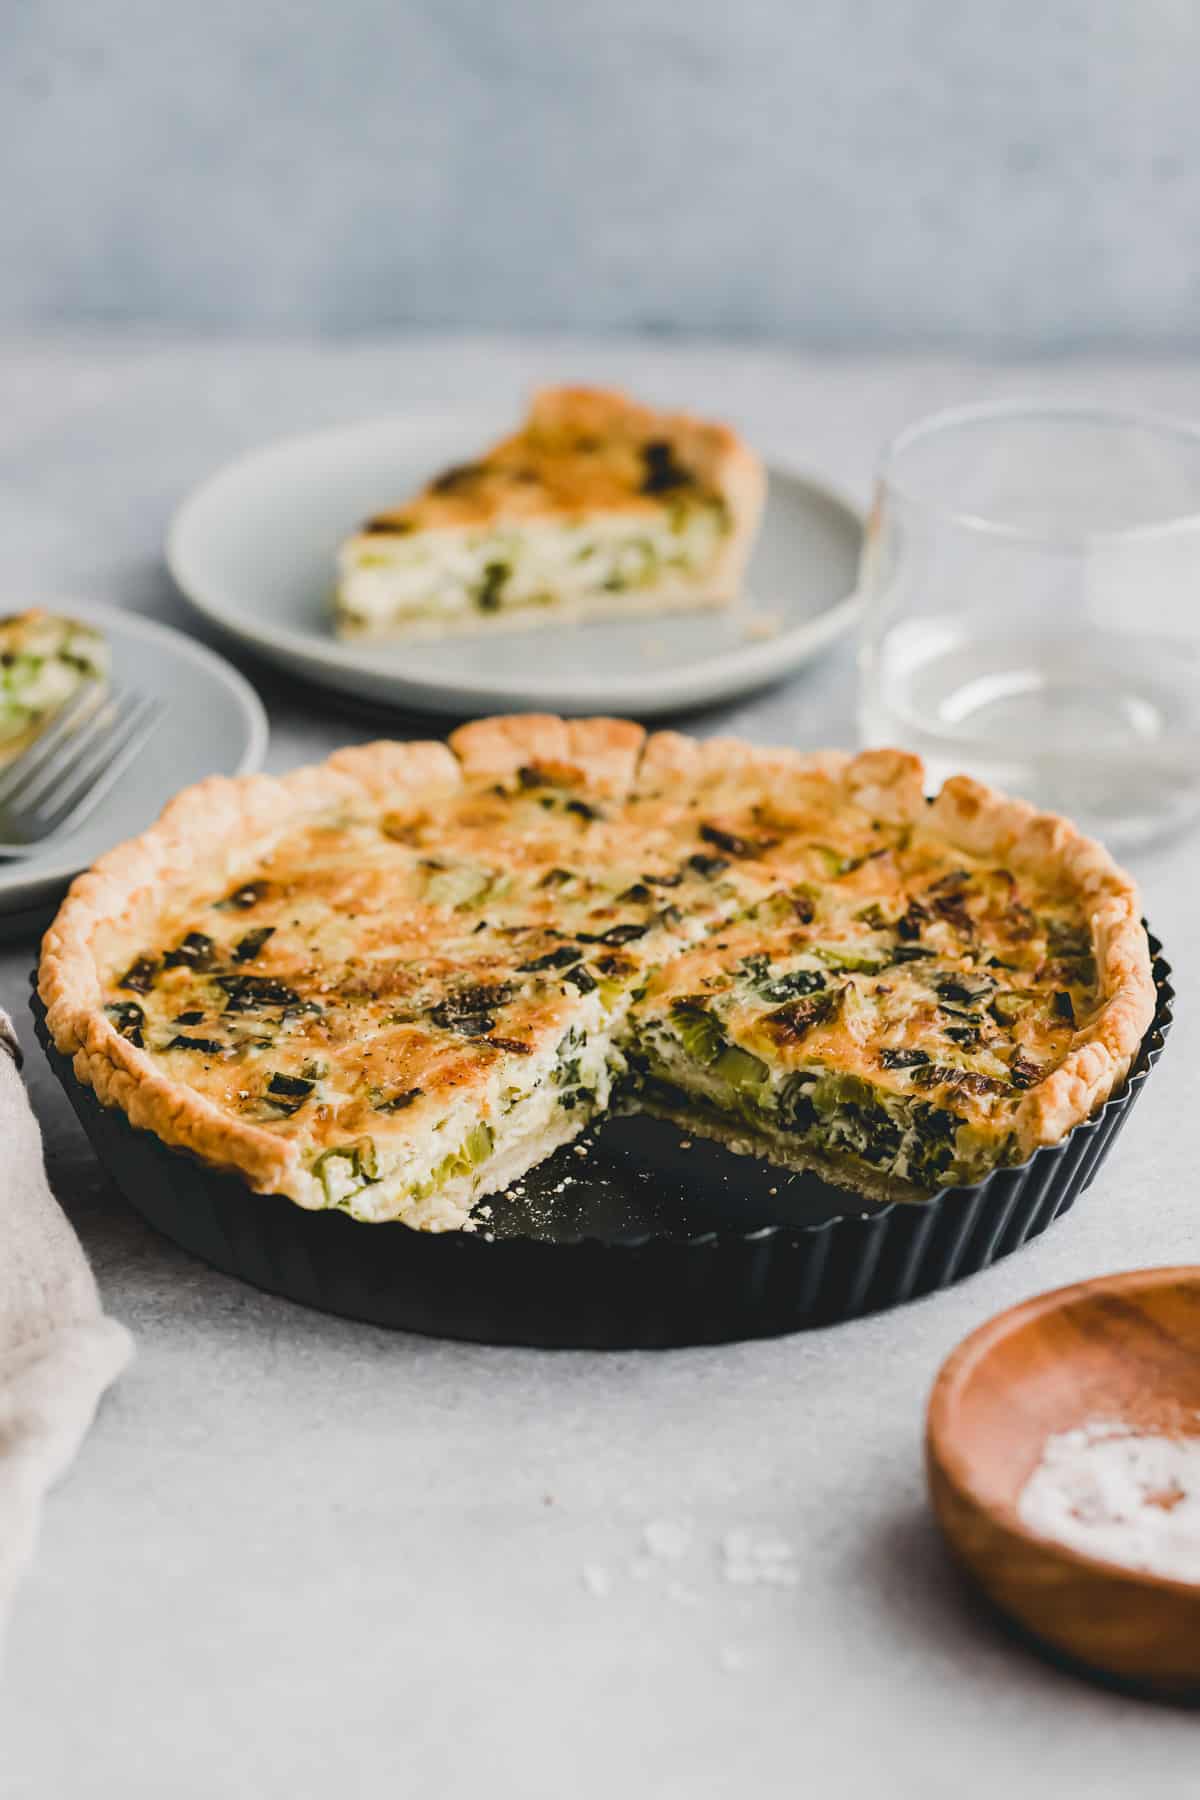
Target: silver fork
72, 764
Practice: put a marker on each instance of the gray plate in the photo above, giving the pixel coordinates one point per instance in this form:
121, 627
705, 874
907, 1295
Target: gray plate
214, 725
253, 549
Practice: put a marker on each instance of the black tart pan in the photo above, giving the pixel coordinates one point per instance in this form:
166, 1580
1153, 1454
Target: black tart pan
646, 1239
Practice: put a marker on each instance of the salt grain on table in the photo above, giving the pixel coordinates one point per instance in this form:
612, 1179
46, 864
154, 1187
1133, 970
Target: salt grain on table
596, 1580
682, 1594
752, 1560
667, 1538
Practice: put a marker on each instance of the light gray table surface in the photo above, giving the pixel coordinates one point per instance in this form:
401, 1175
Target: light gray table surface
299, 1556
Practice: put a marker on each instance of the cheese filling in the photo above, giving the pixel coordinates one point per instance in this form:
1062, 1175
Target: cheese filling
397, 578
793, 1113
438, 1181
44, 660
471, 1151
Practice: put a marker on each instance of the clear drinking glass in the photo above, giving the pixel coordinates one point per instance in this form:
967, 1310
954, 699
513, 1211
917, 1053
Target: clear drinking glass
1031, 609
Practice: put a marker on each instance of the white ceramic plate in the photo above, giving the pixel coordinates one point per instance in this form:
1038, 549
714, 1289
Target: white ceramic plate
253, 548
214, 725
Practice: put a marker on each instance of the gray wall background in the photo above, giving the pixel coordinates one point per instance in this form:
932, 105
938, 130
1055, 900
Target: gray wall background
1009, 175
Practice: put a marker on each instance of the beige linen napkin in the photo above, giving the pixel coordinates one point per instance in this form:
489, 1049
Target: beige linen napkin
58, 1352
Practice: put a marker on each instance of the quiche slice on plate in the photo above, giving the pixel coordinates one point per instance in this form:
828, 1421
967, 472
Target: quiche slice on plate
596, 507
395, 982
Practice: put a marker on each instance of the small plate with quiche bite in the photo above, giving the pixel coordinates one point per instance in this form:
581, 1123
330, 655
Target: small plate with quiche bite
603, 555
215, 725
564, 1032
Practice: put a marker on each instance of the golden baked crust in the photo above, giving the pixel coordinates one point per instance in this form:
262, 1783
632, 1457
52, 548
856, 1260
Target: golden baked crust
470, 913
583, 450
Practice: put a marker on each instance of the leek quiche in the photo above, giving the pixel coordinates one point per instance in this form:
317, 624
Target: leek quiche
597, 506
393, 983
44, 661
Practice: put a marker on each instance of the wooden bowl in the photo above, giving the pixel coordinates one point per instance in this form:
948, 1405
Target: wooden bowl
1123, 1347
